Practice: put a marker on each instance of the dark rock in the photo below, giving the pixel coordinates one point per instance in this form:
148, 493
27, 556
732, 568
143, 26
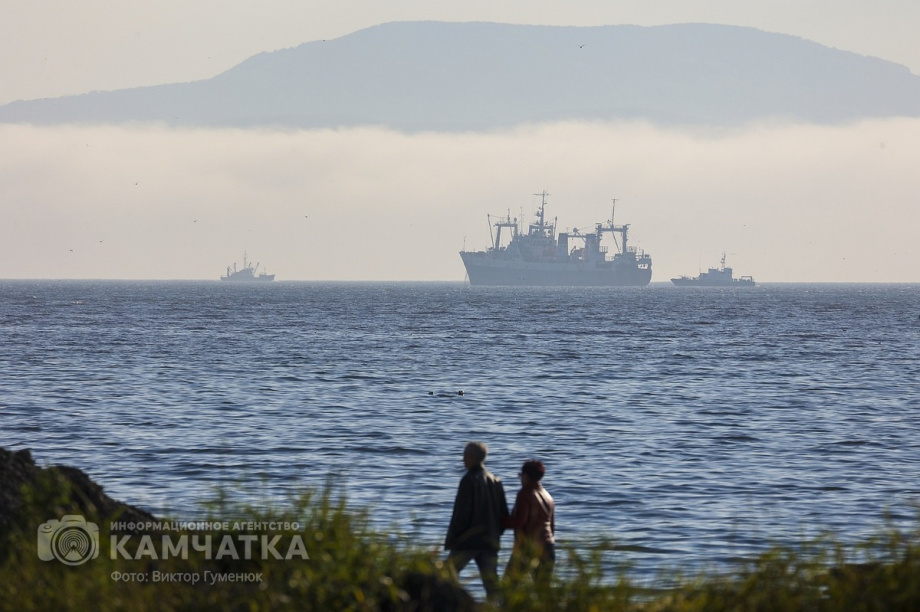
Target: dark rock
26, 488
429, 593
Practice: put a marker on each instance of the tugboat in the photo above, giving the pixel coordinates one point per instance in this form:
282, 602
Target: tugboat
715, 277
247, 273
543, 258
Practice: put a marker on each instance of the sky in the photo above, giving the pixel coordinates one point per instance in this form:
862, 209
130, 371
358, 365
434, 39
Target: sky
788, 203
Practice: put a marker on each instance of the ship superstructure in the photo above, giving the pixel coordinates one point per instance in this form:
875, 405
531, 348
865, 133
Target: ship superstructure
543, 257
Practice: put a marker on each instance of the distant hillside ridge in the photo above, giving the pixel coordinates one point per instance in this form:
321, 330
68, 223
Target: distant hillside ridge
477, 76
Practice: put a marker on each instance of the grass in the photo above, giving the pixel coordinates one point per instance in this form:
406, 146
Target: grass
352, 567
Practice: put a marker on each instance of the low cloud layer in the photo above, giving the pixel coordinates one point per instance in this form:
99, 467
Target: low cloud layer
788, 203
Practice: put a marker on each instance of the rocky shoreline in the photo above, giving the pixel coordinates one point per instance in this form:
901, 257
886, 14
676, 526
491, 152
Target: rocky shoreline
19, 473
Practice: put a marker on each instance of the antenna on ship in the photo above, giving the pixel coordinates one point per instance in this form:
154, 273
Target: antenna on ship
613, 212
542, 206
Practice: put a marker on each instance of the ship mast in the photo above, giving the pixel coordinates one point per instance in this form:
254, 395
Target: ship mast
541, 226
613, 213
506, 222
491, 235
612, 228
542, 206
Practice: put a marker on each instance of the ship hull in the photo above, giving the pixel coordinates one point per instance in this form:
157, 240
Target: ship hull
483, 271
695, 282
249, 279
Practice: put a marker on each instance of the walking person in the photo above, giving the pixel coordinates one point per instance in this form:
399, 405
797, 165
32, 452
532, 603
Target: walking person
534, 522
477, 523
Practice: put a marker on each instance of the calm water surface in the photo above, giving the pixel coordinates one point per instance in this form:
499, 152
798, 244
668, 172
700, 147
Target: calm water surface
692, 426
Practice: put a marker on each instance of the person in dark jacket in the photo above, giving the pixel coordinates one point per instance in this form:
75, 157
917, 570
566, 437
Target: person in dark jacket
477, 523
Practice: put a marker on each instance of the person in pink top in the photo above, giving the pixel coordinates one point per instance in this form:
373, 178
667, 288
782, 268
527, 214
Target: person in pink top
534, 522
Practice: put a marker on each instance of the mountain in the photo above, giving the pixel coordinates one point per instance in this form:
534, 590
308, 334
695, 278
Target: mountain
472, 76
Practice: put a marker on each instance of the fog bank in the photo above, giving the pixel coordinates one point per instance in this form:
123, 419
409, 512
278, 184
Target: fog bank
789, 203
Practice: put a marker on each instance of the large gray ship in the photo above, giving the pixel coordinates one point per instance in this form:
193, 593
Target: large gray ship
543, 258
247, 274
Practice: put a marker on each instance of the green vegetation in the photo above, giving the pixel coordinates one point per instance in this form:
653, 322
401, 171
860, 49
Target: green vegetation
351, 567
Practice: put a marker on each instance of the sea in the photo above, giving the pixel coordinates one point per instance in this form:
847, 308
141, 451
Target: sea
686, 428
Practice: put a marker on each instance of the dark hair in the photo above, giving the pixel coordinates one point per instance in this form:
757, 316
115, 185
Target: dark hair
477, 451
533, 469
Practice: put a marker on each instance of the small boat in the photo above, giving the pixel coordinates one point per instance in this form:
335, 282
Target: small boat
248, 273
715, 277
